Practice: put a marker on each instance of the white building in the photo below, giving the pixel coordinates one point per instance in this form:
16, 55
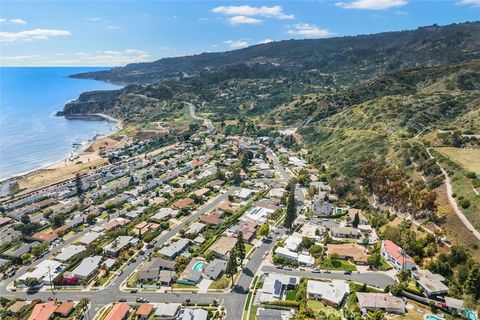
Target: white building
331, 293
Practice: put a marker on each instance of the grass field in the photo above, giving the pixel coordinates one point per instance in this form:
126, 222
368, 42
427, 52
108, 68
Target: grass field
221, 283
337, 265
467, 158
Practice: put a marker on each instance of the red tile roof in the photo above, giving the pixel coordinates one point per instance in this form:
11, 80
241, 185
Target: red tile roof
118, 312
144, 309
43, 311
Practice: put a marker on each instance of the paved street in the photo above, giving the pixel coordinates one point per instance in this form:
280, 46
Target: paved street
374, 279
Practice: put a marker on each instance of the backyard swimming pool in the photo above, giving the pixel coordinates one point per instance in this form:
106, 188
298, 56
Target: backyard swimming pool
432, 317
198, 266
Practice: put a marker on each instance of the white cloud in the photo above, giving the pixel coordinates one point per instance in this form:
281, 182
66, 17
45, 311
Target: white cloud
237, 44
18, 21
15, 21
113, 27
243, 20
265, 41
135, 51
371, 4
264, 11
97, 58
469, 2
306, 30
30, 35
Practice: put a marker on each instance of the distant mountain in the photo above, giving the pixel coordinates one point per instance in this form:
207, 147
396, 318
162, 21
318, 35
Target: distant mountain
350, 59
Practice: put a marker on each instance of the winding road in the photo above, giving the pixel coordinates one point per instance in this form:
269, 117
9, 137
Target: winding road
206, 122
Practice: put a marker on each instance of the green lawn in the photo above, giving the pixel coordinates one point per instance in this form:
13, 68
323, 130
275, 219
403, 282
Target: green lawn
248, 247
183, 286
221, 283
337, 265
291, 295
318, 306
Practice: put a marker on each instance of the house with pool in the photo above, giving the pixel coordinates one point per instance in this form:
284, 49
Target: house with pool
199, 269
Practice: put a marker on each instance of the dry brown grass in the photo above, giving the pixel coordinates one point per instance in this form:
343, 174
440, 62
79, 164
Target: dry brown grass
467, 158
453, 227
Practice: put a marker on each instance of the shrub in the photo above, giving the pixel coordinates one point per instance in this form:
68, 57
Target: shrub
465, 203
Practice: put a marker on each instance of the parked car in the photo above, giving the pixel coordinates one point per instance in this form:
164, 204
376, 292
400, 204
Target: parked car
327, 271
316, 270
133, 291
141, 299
288, 268
347, 272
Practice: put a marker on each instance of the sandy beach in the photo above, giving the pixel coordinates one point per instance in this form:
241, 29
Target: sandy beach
86, 159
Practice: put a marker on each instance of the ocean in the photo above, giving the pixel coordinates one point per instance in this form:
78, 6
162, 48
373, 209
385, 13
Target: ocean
31, 136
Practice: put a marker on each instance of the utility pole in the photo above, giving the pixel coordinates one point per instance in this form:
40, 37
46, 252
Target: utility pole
50, 277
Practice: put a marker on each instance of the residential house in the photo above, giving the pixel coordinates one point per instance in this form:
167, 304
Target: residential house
151, 271
272, 314
165, 214
215, 269
43, 311
48, 237
166, 277
144, 310
322, 207
222, 247
275, 285
166, 310
396, 256
87, 268
430, 283
89, 237
348, 251
183, 203
44, 272
69, 252
455, 306
195, 228
174, 249
345, 233
331, 293
119, 311
65, 308
212, 218
373, 301
118, 244
192, 314
362, 219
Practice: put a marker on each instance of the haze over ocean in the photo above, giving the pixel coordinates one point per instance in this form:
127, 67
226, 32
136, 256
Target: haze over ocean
31, 136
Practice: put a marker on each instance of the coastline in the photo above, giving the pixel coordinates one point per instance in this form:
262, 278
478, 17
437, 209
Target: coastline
76, 155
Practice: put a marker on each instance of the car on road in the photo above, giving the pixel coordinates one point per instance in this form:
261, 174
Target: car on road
347, 272
288, 268
141, 299
119, 272
279, 266
133, 291
316, 270
327, 271
122, 300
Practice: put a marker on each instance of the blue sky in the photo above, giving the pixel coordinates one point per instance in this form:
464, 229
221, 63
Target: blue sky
111, 33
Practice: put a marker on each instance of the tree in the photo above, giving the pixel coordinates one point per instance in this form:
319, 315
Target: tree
240, 247
356, 220
58, 220
375, 261
25, 219
472, 285
78, 184
231, 268
291, 210
264, 230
